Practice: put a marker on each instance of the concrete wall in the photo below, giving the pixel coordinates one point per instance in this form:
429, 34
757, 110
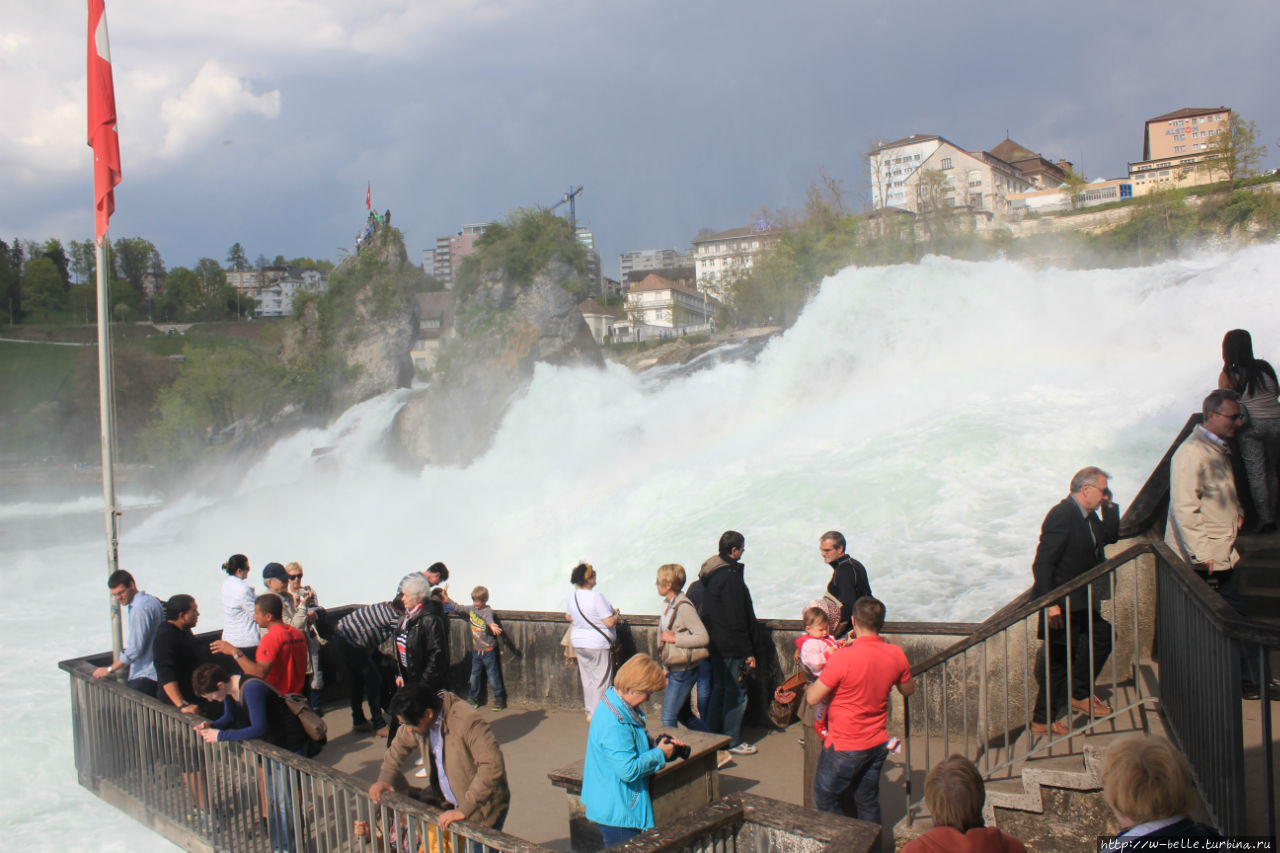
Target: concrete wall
534, 668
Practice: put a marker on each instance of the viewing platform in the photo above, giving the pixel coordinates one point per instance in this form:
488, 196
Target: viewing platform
1176, 666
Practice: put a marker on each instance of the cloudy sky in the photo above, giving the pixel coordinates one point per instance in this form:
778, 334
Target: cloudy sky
261, 121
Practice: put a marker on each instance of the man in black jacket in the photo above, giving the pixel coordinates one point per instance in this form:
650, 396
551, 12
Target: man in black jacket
849, 580
730, 618
1072, 539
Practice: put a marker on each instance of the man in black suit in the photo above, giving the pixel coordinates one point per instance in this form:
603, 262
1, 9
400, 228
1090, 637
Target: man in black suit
1072, 540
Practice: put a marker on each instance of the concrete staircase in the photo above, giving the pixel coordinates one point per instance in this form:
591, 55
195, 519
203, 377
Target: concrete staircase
1053, 800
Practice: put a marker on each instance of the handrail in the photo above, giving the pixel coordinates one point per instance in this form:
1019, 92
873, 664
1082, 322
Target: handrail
1148, 506
219, 795
1237, 626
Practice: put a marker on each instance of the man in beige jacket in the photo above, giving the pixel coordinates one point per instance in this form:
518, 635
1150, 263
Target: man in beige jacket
1205, 514
465, 763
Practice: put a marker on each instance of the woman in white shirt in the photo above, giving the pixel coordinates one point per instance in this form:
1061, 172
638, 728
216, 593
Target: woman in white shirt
238, 627
592, 635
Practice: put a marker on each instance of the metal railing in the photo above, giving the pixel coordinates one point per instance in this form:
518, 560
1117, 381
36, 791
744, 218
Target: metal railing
249, 796
976, 697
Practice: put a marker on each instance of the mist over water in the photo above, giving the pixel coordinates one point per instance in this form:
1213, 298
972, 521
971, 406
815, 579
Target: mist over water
933, 413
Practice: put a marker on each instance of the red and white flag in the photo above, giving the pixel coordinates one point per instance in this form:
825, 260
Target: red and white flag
102, 121
368, 197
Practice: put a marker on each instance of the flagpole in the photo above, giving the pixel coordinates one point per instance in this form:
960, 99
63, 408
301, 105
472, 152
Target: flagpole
106, 422
105, 143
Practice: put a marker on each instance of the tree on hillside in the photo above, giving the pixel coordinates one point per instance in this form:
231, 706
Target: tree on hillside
84, 260
1235, 152
181, 296
521, 246
934, 206
1075, 183
214, 289
9, 277
132, 261
43, 287
52, 249
236, 258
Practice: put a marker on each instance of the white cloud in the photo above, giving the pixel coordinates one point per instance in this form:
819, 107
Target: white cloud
212, 99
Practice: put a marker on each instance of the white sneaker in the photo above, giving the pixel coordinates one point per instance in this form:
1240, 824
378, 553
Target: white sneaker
744, 748
723, 758
421, 774
419, 761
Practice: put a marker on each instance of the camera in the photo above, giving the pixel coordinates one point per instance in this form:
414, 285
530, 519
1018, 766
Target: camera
679, 750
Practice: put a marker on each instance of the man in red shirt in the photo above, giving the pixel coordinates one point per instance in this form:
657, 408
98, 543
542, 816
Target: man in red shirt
858, 679
281, 660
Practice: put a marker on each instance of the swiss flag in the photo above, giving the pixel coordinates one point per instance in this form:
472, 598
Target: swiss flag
102, 121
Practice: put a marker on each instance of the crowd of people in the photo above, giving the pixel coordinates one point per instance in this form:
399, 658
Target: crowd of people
396, 654
374, 223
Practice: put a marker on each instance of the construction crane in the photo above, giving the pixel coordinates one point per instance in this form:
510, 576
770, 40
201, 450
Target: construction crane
571, 197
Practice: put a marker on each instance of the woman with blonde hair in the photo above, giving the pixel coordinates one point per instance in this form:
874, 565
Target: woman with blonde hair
682, 646
1147, 783
954, 794
621, 756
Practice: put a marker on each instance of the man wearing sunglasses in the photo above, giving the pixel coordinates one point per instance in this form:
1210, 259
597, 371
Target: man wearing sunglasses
1205, 513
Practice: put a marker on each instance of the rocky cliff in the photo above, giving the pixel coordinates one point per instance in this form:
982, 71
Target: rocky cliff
504, 328
352, 343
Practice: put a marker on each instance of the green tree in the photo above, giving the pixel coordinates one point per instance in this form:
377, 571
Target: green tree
214, 290
214, 389
1236, 150
935, 205
1075, 183
10, 277
236, 258
133, 259
84, 260
521, 246
43, 287
52, 249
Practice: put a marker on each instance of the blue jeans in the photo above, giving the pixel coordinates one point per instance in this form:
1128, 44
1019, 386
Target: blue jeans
728, 701
616, 834
675, 701
838, 770
281, 792
477, 847
483, 663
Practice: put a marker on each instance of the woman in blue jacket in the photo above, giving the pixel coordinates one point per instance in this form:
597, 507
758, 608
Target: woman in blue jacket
620, 755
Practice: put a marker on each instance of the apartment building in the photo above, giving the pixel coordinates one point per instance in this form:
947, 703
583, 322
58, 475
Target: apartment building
722, 258
1176, 149
451, 249
1042, 174
657, 301
651, 260
274, 298
977, 180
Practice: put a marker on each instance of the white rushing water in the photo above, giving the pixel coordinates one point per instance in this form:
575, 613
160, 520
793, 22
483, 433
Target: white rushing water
933, 413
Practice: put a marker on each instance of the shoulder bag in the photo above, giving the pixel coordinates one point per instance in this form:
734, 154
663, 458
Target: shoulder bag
312, 723
673, 655
615, 645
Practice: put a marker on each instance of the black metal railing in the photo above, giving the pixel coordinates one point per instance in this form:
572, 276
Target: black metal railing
976, 696
243, 795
